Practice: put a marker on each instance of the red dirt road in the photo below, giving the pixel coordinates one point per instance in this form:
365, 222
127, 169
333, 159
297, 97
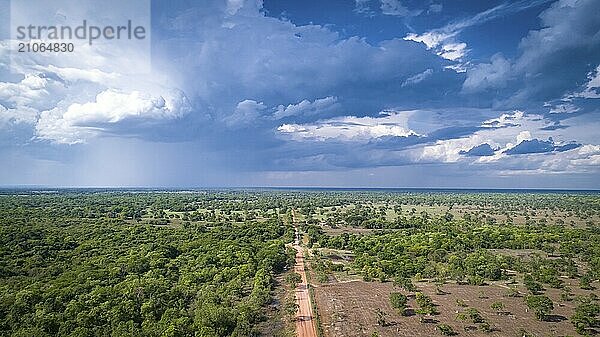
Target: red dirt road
305, 322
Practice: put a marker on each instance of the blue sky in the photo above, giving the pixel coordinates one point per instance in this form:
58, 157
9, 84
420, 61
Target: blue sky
380, 93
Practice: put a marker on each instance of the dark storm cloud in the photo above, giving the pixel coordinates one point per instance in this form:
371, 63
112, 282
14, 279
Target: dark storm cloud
540, 146
482, 150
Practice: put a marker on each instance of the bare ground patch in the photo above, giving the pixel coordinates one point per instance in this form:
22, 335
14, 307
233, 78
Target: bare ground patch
349, 309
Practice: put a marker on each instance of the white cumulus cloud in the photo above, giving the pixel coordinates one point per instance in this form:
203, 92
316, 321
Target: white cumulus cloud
306, 107
488, 75
351, 128
246, 112
77, 122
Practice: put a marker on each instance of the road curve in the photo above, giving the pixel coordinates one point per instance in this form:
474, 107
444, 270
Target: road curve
305, 321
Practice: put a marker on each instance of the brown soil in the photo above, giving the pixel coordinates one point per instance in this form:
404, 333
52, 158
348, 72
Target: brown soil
349, 309
305, 321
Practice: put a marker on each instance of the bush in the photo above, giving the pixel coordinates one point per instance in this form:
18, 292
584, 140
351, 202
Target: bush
541, 305
426, 304
398, 301
405, 283
534, 287
293, 279
485, 327
446, 330
586, 316
474, 315
471, 314
498, 306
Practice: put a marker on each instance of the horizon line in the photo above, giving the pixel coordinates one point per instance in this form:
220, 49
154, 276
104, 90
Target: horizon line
199, 188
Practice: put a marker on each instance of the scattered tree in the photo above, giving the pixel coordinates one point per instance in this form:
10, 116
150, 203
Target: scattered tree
541, 305
498, 306
293, 279
398, 301
586, 316
531, 285
446, 330
426, 306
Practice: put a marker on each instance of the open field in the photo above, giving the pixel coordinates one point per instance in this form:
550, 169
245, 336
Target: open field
349, 309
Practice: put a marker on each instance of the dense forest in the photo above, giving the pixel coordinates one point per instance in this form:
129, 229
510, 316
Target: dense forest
73, 265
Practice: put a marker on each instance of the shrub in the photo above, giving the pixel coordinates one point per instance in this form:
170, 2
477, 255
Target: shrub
534, 287
426, 304
398, 301
293, 279
498, 306
586, 316
446, 330
541, 305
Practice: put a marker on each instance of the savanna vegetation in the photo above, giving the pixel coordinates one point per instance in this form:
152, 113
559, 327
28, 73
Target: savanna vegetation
540, 240
205, 263
94, 264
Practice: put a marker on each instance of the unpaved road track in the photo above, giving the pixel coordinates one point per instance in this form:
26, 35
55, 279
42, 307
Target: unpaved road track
305, 321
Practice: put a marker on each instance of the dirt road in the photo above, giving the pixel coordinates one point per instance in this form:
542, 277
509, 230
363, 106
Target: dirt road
305, 322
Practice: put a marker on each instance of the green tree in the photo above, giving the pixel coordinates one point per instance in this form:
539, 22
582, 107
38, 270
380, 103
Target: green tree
498, 306
405, 283
531, 285
425, 303
471, 314
541, 305
584, 283
293, 279
446, 330
398, 301
586, 316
